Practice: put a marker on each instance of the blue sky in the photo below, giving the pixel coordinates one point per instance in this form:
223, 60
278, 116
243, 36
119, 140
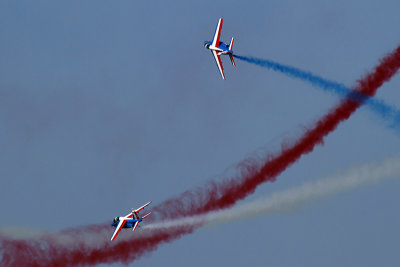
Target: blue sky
106, 105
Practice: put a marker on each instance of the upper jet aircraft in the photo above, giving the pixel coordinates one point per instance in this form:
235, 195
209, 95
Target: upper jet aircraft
220, 48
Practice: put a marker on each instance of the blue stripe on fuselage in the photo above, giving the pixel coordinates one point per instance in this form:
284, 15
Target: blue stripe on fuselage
224, 47
128, 224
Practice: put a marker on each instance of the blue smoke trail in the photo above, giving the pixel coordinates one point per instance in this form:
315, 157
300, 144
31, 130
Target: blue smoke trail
389, 113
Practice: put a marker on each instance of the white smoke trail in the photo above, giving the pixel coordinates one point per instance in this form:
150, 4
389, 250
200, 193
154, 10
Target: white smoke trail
20, 232
279, 202
296, 197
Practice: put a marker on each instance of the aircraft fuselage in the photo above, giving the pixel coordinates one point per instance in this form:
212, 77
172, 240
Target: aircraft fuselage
222, 47
128, 224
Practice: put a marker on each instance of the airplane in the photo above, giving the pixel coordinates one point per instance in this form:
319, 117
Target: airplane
220, 48
129, 221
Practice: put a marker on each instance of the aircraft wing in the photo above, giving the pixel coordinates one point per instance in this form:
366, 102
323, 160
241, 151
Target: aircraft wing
217, 34
142, 207
118, 228
219, 63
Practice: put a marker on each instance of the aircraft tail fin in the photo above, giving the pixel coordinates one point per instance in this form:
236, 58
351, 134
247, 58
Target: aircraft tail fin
230, 55
135, 225
232, 60
231, 44
146, 215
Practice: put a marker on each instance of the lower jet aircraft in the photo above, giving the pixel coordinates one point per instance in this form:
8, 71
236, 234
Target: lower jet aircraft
220, 48
129, 221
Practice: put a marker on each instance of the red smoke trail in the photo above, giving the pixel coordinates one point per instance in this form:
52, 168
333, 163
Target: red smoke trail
225, 194
52, 250
216, 196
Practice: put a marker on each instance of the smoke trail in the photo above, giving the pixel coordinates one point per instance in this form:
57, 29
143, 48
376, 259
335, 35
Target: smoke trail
279, 202
226, 193
87, 246
388, 113
214, 196
291, 199
20, 232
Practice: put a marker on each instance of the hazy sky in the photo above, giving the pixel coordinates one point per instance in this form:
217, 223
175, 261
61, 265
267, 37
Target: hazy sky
105, 105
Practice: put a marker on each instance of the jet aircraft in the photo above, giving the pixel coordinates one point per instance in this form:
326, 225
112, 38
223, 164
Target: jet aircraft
219, 48
129, 221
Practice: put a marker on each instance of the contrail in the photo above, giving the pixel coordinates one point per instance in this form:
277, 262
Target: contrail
88, 250
389, 114
293, 198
